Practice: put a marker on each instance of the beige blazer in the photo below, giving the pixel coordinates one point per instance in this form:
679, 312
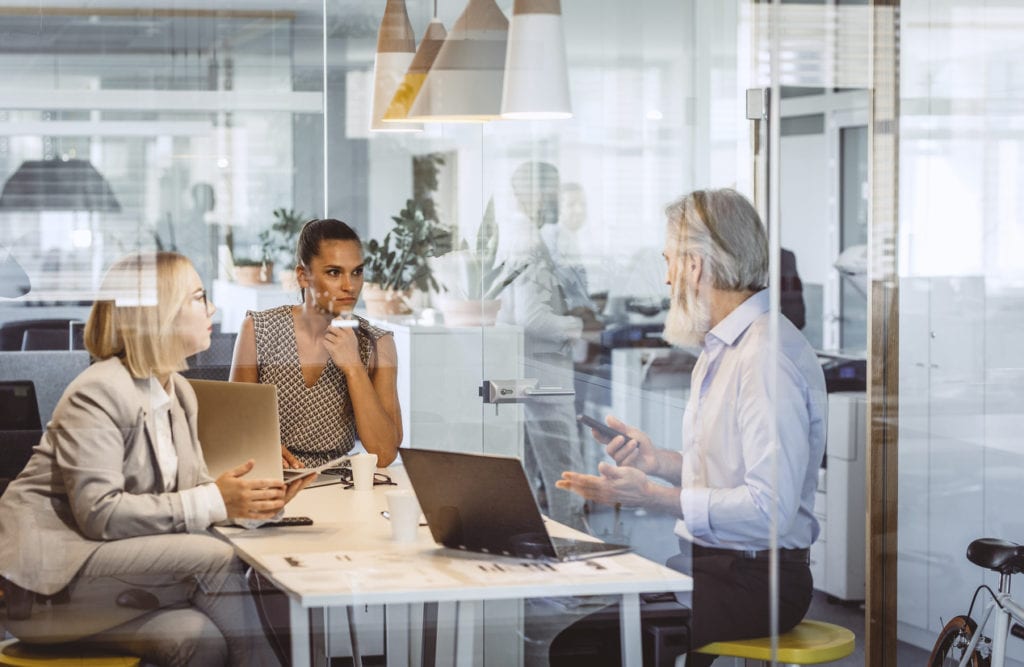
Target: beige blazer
94, 477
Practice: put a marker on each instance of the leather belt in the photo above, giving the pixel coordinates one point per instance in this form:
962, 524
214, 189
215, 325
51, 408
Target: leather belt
785, 555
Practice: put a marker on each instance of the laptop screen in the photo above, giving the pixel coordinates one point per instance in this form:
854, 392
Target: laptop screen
478, 502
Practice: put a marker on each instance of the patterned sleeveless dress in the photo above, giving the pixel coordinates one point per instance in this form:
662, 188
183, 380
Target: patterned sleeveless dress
317, 423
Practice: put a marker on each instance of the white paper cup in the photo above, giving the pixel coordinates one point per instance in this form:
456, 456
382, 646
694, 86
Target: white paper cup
363, 466
404, 513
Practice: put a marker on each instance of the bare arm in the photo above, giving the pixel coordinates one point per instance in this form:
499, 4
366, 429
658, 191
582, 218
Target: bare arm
243, 362
374, 396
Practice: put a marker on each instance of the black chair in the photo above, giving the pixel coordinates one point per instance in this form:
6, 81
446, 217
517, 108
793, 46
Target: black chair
15, 451
19, 409
12, 334
45, 339
213, 363
19, 427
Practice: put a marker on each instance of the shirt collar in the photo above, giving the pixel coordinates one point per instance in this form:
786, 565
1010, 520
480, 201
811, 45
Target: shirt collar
729, 330
158, 398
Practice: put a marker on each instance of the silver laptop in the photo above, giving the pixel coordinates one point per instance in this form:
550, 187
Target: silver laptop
238, 422
484, 503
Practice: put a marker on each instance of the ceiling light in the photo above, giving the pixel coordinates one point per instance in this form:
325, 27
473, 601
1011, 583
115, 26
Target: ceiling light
411, 84
396, 46
536, 75
58, 185
464, 83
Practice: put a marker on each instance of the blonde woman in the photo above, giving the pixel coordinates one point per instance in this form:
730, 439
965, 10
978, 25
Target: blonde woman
104, 536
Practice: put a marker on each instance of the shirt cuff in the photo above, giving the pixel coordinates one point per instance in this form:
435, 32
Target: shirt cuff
202, 506
695, 503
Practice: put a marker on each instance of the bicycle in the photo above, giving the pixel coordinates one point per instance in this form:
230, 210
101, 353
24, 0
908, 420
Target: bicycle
962, 641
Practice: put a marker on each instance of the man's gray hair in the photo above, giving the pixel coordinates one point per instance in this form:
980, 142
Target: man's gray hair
723, 228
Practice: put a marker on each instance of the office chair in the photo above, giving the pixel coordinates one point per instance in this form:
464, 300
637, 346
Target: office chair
45, 339
12, 333
15, 451
19, 409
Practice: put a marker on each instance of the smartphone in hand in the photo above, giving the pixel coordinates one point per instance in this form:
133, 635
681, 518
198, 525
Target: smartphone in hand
602, 428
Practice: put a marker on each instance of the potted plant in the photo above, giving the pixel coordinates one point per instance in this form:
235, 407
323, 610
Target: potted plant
259, 267
472, 280
398, 264
284, 233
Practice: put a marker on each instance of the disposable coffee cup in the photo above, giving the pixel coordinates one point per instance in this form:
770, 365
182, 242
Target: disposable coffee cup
363, 466
404, 512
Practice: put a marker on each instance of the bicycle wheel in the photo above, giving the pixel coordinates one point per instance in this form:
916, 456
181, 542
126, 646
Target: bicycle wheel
952, 643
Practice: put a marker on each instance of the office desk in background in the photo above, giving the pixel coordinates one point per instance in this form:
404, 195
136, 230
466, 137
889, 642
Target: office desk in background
347, 558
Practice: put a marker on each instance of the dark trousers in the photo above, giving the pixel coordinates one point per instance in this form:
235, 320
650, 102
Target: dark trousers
730, 601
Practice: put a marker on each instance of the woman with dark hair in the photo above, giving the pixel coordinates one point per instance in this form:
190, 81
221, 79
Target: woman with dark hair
332, 381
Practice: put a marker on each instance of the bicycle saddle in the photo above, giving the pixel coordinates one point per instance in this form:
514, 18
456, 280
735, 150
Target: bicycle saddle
999, 555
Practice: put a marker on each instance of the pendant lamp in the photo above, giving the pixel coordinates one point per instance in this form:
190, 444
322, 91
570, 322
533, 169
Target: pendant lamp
411, 84
396, 46
536, 76
464, 83
58, 185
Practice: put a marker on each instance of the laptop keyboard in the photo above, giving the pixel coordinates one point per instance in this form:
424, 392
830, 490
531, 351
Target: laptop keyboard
569, 549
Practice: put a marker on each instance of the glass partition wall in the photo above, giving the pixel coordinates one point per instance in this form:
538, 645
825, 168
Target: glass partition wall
197, 128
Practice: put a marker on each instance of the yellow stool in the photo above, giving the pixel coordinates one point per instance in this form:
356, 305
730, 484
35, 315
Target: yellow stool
809, 643
16, 654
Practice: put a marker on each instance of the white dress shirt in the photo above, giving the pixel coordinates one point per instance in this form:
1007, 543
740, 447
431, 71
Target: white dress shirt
737, 480
202, 505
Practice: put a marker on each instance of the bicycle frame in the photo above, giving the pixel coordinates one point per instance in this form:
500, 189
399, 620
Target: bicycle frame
1006, 610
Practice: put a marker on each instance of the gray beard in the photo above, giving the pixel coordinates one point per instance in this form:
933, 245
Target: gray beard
689, 318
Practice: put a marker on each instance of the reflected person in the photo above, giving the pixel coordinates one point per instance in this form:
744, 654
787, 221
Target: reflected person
537, 303
753, 432
104, 535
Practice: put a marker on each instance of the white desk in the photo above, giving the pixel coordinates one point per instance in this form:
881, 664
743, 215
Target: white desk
381, 571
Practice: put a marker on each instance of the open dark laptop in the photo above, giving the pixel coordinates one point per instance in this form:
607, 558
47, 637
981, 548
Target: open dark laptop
483, 503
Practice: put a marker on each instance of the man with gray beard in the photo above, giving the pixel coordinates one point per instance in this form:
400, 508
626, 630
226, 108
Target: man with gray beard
753, 432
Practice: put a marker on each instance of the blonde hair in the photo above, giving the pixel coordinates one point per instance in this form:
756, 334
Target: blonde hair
134, 315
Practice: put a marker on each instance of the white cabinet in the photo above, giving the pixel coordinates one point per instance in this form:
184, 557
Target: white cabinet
837, 558
233, 300
440, 370
945, 463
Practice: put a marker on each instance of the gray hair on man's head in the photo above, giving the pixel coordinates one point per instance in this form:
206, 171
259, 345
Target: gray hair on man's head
724, 230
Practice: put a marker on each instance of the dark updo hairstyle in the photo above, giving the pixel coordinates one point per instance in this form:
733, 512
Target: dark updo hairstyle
316, 231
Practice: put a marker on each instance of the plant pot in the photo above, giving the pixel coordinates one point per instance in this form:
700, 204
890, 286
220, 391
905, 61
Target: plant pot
382, 303
469, 312
254, 275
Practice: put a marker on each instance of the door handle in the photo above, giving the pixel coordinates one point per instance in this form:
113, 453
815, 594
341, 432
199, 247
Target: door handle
519, 390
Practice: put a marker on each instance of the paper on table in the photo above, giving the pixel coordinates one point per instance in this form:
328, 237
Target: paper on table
313, 562
512, 571
365, 578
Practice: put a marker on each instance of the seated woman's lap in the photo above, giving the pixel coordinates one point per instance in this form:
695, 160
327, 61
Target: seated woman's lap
126, 579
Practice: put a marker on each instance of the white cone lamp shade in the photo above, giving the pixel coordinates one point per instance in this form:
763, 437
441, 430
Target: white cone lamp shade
464, 84
536, 76
396, 47
412, 83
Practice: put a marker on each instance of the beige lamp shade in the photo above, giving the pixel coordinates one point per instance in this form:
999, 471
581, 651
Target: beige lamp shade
464, 83
536, 76
411, 84
396, 47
